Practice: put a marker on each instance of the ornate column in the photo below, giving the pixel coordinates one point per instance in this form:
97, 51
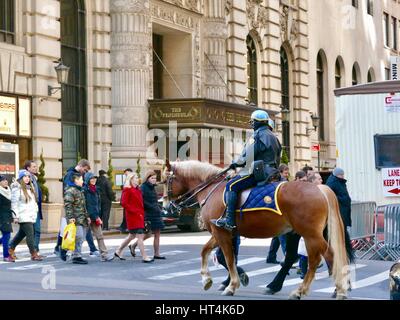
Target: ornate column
215, 64
130, 65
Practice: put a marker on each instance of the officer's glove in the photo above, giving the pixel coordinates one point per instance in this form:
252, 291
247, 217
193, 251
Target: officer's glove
233, 166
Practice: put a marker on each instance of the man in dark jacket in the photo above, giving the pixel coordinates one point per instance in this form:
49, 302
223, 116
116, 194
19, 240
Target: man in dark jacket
337, 183
107, 196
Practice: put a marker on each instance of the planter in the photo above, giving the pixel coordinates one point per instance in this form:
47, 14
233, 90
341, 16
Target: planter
116, 215
52, 213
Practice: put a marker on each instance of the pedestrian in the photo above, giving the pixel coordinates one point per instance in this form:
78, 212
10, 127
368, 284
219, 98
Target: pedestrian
300, 176
107, 196
24, 205
123, 227
308, 170
93, 207
132, 202
32, 168
75, 212
6, 218
314, 178
337, 183
278, 241
244, 278
153, 213
81, 168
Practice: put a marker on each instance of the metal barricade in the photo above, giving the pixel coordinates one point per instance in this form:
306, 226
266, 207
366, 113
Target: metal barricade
389, 248
363, 227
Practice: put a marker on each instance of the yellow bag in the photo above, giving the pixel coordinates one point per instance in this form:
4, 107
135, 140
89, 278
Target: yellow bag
69, 235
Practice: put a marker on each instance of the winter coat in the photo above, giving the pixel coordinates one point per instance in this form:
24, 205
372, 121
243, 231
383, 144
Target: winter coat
39, 195
338, 186
25, 212
75, 206
6, 216
93, 205
151, 207
105, 189
132, 202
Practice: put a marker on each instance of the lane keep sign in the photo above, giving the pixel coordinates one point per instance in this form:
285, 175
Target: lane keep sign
391, 182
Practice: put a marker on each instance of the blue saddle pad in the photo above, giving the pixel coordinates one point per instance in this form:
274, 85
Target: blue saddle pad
262, 198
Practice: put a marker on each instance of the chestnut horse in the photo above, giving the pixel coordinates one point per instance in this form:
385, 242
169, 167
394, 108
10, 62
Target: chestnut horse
306, 208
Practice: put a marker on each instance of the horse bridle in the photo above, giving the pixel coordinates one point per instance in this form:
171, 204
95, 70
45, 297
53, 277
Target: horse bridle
185, 200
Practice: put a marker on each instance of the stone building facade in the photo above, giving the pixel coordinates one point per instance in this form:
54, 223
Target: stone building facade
290, 53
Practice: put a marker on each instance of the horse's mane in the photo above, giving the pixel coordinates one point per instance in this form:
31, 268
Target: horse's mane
194, 169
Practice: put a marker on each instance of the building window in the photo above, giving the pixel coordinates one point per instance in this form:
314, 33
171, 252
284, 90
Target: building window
370, 7
355, 79
394, 33
157, 66
386, 29
7, 21
371, 75
338, 74
387, 74
354, 3
321, 96
74, 99
285, 87
252, 83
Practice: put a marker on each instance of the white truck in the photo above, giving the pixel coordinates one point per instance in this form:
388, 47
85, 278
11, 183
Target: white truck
368, 140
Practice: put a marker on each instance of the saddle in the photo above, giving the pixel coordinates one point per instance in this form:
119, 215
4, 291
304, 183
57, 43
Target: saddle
259, 198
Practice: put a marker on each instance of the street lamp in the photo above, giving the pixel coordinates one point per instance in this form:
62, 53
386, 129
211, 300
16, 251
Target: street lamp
315, 123
62, 78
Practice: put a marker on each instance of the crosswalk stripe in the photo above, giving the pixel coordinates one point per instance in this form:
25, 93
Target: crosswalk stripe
197, 271
252, 273
369, 281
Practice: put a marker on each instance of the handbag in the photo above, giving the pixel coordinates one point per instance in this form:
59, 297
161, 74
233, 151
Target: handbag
147, 227
69, 236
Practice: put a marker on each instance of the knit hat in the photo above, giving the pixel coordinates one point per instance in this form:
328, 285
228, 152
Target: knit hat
338, 172
149, 174
23, 173
102, 173
2, 178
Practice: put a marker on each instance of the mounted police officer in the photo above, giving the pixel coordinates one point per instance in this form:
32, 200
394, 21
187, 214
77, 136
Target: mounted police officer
261, 152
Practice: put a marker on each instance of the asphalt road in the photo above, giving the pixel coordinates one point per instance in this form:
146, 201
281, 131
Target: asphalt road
176, 278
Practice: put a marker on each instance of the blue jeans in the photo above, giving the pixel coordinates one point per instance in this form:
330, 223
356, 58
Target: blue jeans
5, 240
81, 234
90, 241
36, 230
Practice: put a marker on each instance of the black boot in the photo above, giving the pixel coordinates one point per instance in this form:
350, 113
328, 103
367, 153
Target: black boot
228, 222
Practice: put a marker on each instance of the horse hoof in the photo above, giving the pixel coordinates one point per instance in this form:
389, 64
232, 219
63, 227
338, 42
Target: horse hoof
227, 292
244, 279
294, 297
207, 284
269, 292
341, 297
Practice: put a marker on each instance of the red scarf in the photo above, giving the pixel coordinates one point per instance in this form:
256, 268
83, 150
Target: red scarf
92, 188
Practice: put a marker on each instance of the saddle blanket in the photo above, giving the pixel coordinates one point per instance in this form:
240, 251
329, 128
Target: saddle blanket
259, 198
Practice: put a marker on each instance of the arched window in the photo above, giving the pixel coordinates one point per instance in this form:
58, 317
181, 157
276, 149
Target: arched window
338, 74
321, 95
355, 74
371, 75
285, 89
252, 92
74, 99
7, 21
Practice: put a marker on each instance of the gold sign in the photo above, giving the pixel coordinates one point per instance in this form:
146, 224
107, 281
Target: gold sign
8, 112
24, 114
175, 113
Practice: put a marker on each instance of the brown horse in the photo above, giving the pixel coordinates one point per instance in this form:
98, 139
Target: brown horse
306, 208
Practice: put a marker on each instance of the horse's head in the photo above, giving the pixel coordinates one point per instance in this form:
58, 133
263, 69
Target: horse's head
176, 184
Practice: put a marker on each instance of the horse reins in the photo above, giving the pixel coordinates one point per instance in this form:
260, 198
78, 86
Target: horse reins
181, 201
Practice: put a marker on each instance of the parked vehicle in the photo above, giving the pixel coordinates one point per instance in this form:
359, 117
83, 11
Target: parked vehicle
187, 220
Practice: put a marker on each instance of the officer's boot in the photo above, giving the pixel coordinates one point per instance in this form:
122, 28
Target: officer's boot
229, 221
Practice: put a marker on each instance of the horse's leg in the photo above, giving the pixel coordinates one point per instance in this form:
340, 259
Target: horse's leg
205, 253
224, 239
316, 247
292, 243
328, 256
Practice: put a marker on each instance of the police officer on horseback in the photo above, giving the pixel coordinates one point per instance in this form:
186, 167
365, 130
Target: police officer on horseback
261, 152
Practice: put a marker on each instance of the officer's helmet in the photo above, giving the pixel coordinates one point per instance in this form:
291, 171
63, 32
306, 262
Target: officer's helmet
260, 116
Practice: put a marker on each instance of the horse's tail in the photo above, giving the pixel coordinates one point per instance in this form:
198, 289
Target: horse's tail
336, 238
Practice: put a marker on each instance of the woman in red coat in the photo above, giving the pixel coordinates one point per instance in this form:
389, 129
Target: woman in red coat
132, 202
